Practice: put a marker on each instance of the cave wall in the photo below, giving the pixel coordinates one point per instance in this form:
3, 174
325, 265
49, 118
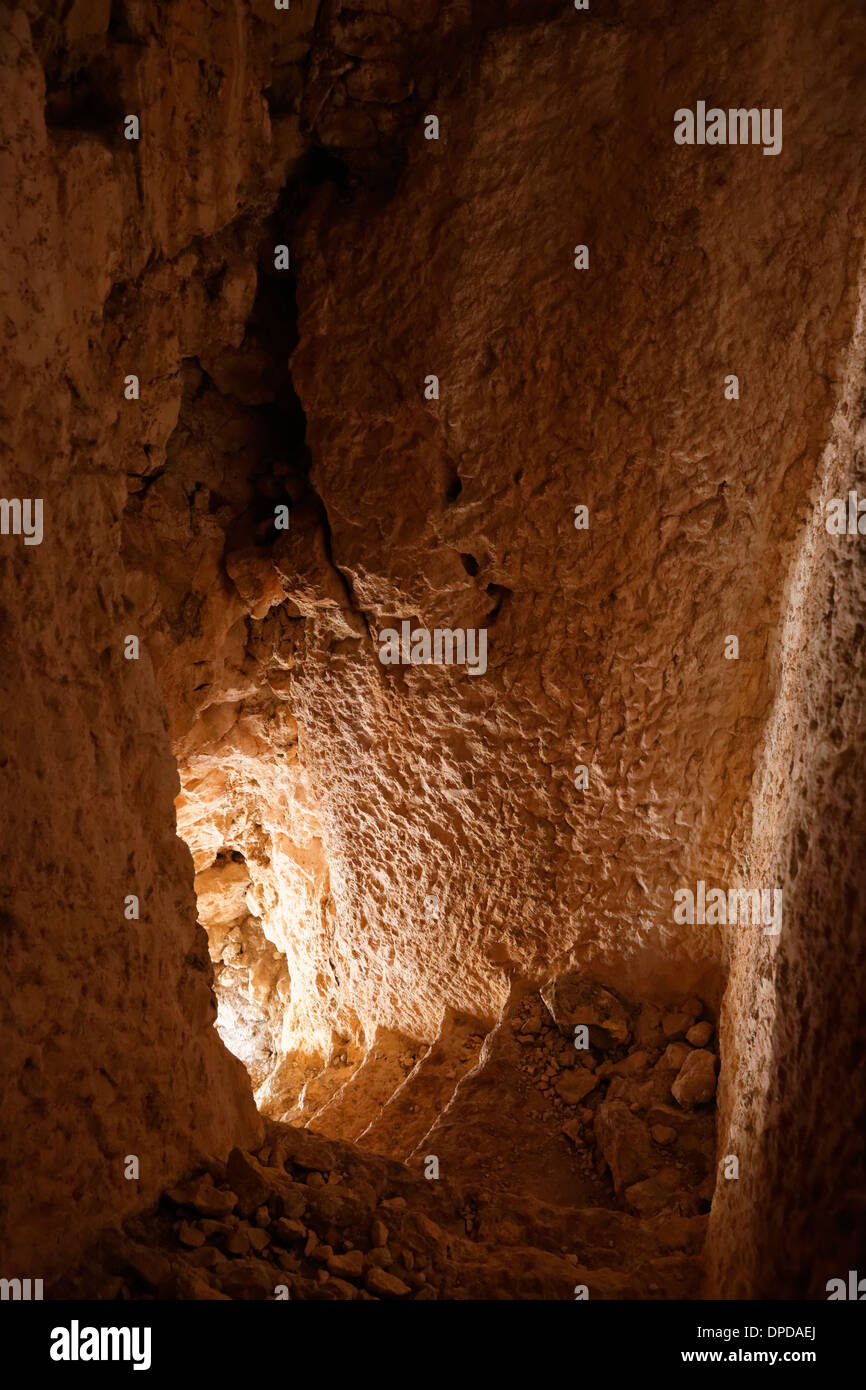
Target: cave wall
361, 795
106, 1022
794, 1074
412, 836
558, 387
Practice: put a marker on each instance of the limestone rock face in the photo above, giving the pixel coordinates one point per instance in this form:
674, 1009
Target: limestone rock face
795, 1079
106, 1018
384, 855
558, 388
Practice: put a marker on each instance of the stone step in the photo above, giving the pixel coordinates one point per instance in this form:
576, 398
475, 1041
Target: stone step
319, 1089
416, 1104
596, 1130
499, 1132
388, 1061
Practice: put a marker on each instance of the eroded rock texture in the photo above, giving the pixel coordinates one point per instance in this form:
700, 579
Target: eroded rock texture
793, 1015
554, 1168
319, 1219
391, 861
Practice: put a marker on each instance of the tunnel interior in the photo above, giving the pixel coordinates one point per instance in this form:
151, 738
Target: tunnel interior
523, 971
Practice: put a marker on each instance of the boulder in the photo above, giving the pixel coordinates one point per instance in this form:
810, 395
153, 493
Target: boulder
696, 1081
625, 1144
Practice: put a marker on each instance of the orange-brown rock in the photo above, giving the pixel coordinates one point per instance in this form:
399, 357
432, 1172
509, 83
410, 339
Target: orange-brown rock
252, 871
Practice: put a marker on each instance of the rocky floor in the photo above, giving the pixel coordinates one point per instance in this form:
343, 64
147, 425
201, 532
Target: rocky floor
574, 1144
624, 1120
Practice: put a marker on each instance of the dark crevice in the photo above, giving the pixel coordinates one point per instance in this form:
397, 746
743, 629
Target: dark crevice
147, 481
499, 593
454, 486
78, 105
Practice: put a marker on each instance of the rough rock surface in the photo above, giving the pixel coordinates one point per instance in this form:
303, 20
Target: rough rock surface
107, 1037
795, 1078
393, 860
315, 1219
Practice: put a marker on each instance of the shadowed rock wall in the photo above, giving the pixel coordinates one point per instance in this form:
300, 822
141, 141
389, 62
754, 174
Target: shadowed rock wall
106, 1022
791, 1099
